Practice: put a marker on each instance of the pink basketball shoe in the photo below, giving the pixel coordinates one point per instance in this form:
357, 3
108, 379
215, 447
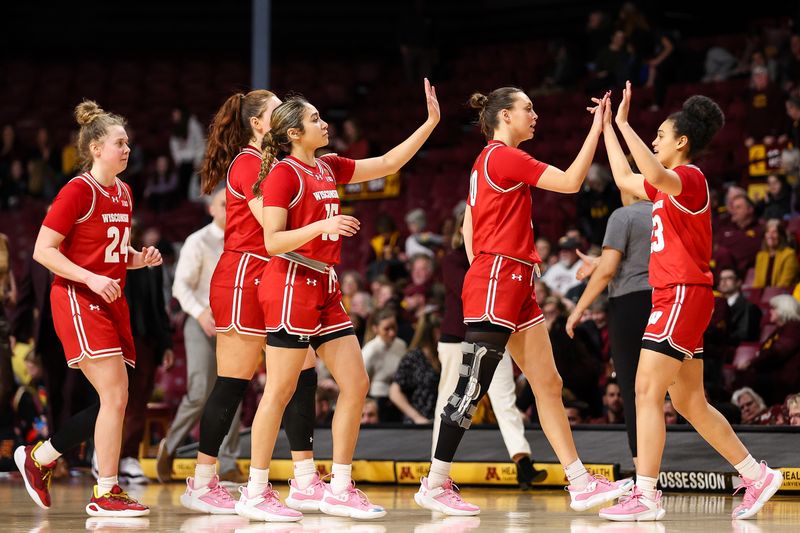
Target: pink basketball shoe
445, 499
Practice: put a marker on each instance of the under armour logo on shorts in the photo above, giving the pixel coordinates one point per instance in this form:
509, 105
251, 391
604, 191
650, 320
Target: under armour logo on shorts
310, 281
516, 277
303, 338
93, 307
257, 281
655, 317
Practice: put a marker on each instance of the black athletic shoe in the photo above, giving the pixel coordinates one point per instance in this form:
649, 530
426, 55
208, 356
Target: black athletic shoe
527, 475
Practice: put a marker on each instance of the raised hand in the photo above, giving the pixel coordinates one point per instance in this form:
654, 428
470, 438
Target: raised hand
597, 111
434, 113
341, 225
108, 289
625, 104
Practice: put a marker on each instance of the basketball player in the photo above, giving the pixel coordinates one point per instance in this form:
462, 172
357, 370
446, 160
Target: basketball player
301, 298
500, 305
672, 346
234, 154
85, 242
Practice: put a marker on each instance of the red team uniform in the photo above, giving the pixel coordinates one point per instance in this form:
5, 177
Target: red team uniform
234, 285
88, 214
295, 298
498, 287
680, 251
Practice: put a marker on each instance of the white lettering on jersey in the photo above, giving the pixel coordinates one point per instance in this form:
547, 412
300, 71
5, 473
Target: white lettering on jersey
108, 218
324, 195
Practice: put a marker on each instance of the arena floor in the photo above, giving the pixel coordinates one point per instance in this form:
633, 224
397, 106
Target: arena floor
503, 510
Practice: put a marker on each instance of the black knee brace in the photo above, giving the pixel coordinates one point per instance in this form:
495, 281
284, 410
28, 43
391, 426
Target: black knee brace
478, 364
300, 413
219, 411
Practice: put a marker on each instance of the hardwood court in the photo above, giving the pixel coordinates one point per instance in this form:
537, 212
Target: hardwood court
504, 510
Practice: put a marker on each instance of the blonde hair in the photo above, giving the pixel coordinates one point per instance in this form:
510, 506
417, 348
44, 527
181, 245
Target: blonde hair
94, 123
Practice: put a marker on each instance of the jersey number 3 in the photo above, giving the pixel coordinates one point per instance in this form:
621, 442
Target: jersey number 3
657, 242
117, 246
331, 210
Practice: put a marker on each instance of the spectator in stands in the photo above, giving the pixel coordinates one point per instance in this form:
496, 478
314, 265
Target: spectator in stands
187, 145
613, 412
743, 237
369, 413
670, 414
152, 339
751, 404
777, 202
776, 263
596, 201
743, 317
136, 163
416, 292
593, 329
611, 65
576, 411
416, 381
45, 152
161, 189
790, 139
560, 277
8, 437
14, 185
764, 105
351, 283
776, 370
356, 146
596, 35
69, 156
719, 65
386, 234
360, 312
420, 241
10, 150
382, 356
545, 251
792, 408
790, 67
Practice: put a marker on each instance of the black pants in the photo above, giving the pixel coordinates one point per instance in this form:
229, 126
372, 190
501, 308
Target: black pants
627, 320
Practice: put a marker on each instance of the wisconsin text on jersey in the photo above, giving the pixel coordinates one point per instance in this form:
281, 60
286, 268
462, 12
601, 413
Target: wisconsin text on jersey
325, 195
109, 218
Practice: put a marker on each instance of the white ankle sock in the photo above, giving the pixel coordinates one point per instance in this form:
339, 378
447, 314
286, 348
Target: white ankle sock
46, 454
440, 471
749, 468
105, 484
259, 478
203, 474
577, 474
647, 485
342, 477
304, 473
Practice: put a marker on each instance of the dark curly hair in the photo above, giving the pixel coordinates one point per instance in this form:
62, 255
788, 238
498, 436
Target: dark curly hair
700, 119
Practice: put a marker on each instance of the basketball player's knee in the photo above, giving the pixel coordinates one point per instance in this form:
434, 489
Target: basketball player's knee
689, 407
477, 368
552, 387
358, 387
115, 399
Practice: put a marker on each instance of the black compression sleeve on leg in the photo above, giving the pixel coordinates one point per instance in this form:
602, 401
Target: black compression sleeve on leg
219, 411
300, 413
79, 428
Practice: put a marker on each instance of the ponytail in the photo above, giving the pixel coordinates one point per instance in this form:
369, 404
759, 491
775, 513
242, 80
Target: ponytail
229, 132
286, 116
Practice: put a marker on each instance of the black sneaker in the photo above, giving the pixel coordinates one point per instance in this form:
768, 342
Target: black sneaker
527, 474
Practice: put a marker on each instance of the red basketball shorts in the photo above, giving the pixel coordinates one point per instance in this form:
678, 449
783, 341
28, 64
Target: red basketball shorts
678, 319
500, 290
89, 327
234, 293
301, 300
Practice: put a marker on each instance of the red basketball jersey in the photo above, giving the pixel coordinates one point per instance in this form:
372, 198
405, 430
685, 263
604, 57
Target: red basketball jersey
680, 246
243, 232
96, 224
500, 201
309, 194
